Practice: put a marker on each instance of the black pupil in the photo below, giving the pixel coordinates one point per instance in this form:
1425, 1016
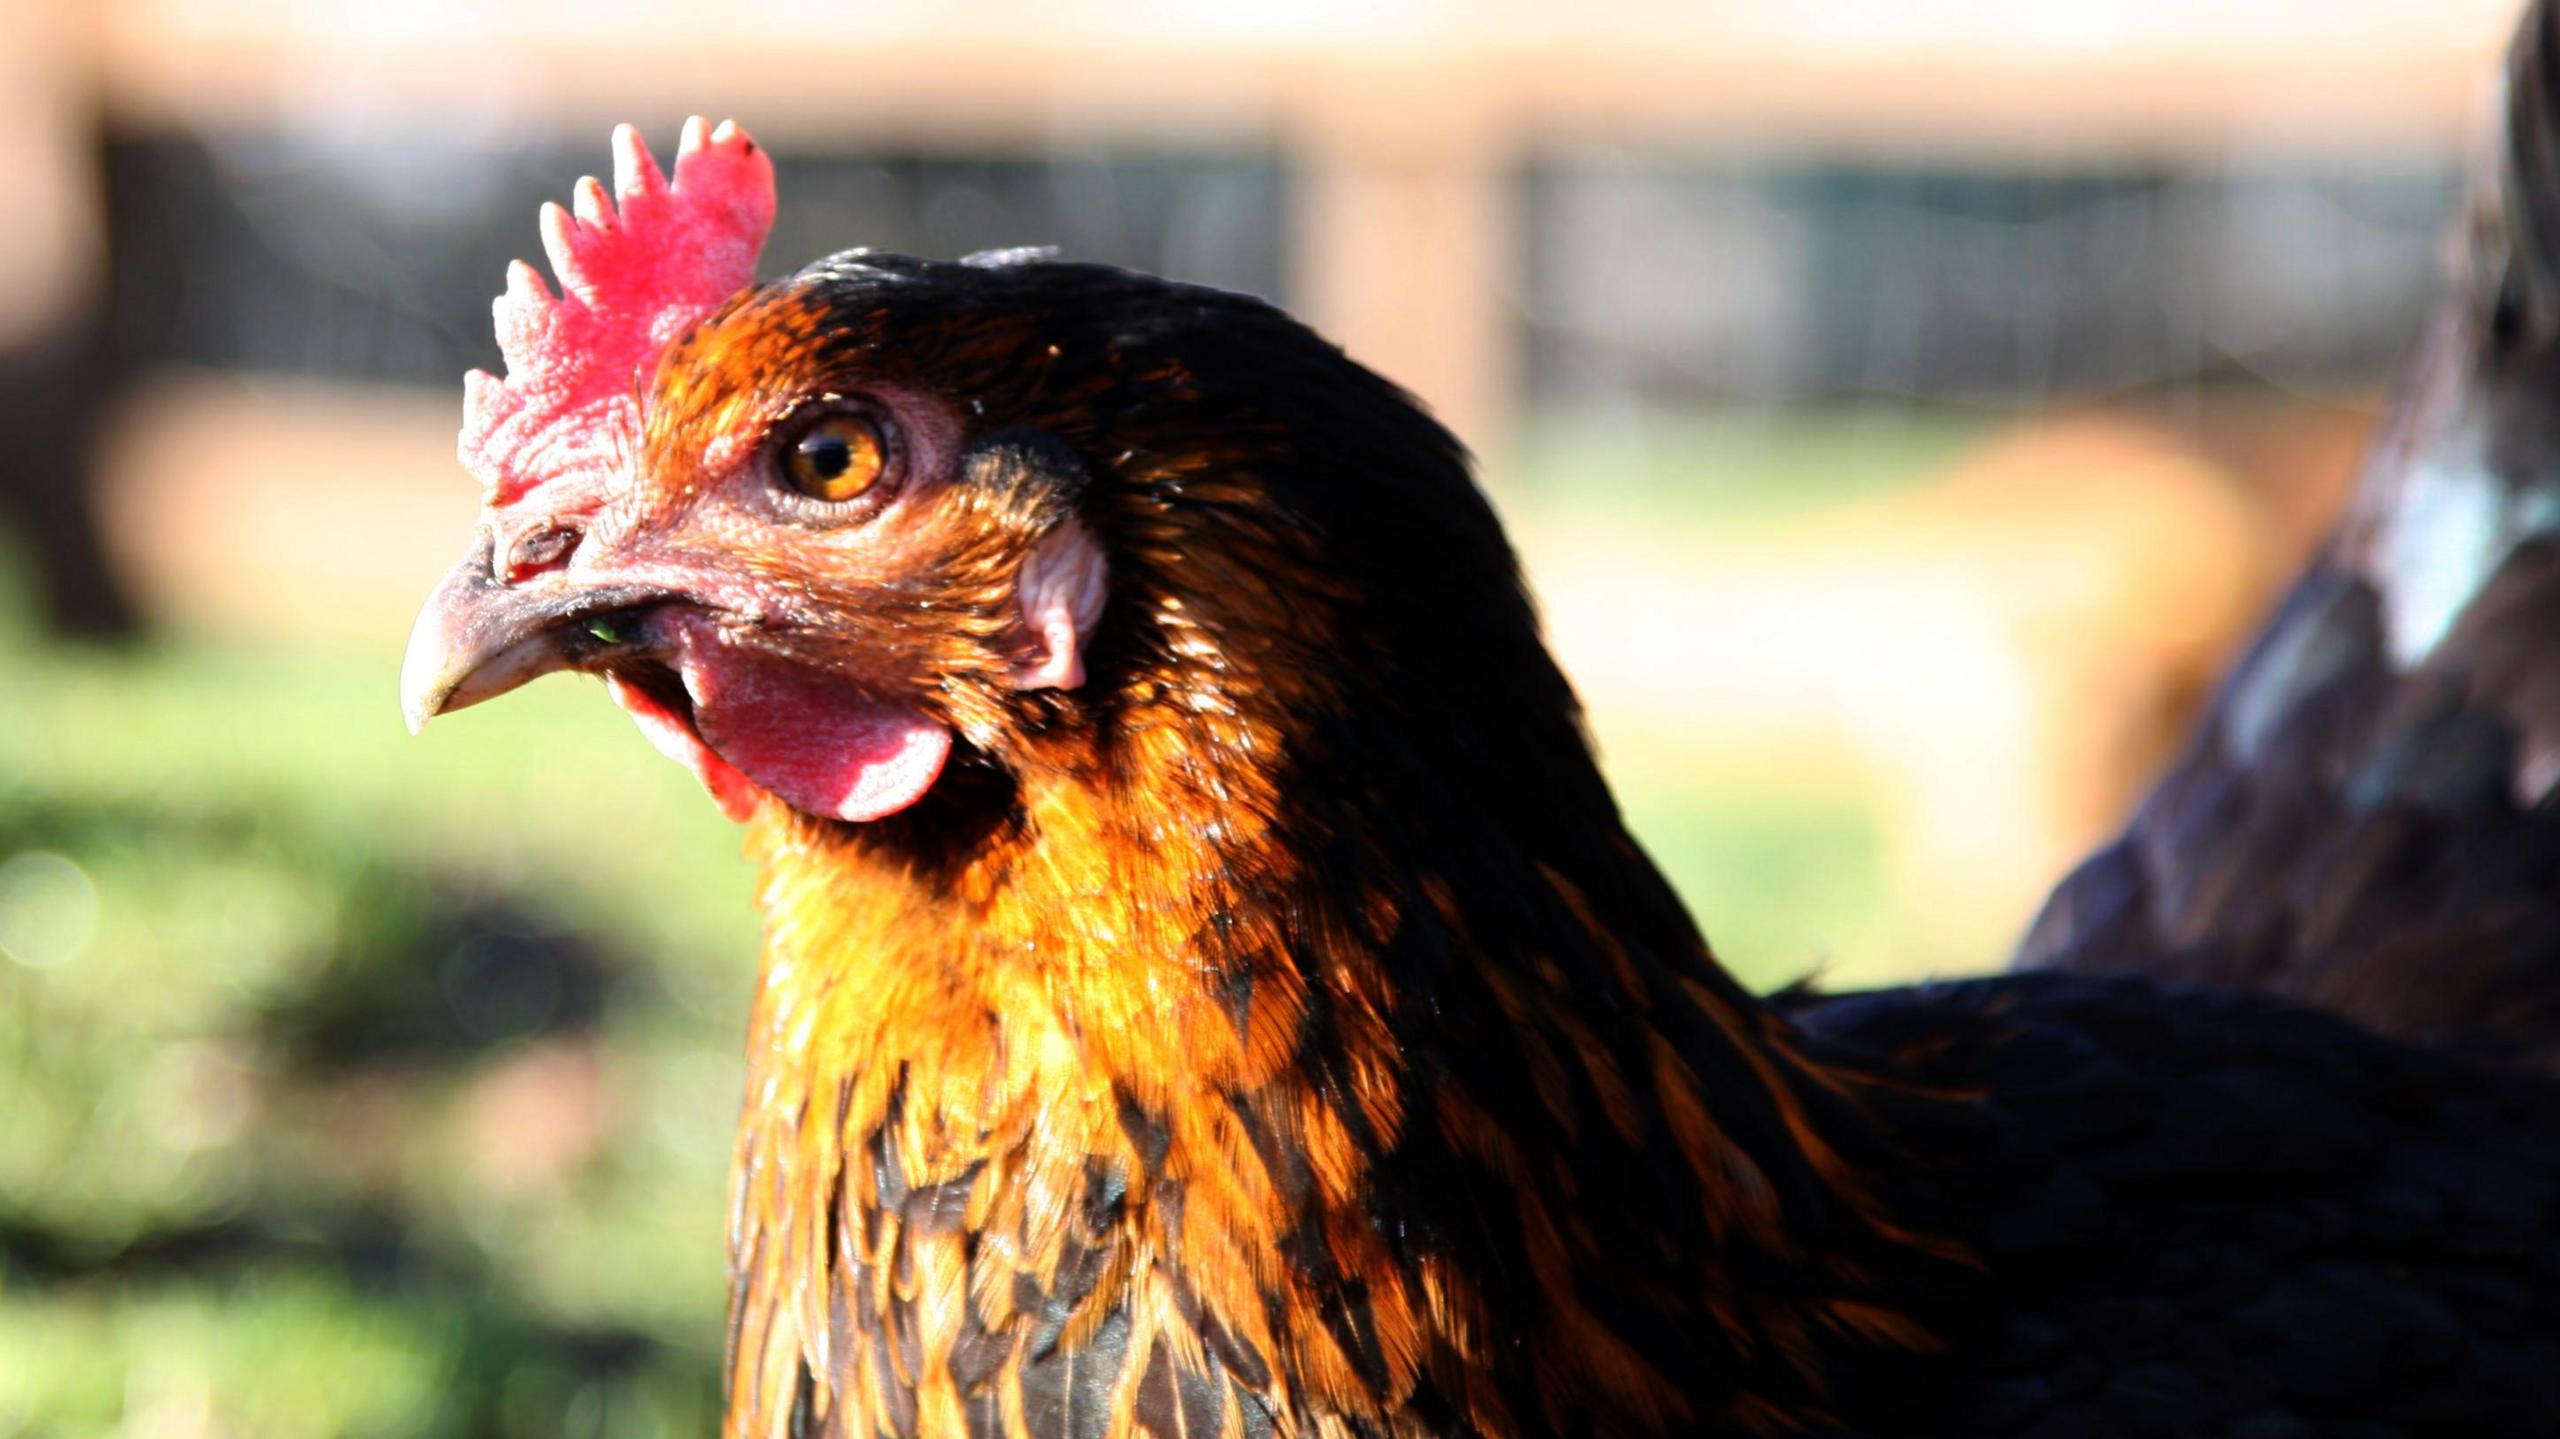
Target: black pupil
828, 455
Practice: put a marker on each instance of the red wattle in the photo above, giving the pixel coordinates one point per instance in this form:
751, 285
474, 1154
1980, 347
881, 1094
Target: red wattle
760, 722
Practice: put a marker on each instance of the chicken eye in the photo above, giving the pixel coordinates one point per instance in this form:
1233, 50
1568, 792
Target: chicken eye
837, 459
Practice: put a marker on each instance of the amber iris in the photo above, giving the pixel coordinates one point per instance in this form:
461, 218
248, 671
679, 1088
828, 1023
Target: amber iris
839, 458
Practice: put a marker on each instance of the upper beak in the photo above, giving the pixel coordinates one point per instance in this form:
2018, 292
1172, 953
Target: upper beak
477, 639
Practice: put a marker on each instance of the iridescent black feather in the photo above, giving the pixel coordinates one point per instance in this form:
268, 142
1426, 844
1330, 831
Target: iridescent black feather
2366, 820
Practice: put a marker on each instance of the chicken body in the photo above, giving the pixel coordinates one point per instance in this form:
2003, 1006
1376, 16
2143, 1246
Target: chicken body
1251, 1016
2366, 818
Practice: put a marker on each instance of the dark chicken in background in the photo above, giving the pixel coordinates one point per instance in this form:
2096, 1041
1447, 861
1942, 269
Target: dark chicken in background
1209, 988
2366, 819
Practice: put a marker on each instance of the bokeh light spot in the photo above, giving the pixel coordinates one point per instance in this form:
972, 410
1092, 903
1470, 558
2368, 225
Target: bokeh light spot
48, 909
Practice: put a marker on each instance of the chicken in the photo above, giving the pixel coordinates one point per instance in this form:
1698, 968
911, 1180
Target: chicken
2364, 820
1209, 989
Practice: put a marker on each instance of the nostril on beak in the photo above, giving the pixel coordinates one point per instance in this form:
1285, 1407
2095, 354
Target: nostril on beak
539, 550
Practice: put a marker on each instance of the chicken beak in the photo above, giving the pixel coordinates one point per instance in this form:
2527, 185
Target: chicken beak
477, 638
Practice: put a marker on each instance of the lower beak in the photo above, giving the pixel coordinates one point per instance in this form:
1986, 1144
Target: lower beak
477, 639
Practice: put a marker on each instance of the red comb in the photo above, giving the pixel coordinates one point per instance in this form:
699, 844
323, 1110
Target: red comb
636, 270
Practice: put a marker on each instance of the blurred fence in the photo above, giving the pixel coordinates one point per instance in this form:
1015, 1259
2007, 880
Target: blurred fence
1401, 125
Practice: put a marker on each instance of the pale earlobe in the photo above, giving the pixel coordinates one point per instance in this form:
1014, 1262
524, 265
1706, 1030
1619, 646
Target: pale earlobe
1064, 582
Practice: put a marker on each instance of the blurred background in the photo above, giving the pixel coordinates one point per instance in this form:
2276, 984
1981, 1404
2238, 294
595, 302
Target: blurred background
1904, 409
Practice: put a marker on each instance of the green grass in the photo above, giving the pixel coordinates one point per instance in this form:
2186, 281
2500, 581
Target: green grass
1729, 470
284, 961
1783, 862
1787, 881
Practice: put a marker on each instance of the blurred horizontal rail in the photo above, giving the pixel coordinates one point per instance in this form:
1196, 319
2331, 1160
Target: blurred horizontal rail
1404, 120
2016, 78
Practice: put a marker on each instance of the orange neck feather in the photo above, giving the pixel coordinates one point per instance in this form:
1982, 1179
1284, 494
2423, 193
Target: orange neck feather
1062, 1100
